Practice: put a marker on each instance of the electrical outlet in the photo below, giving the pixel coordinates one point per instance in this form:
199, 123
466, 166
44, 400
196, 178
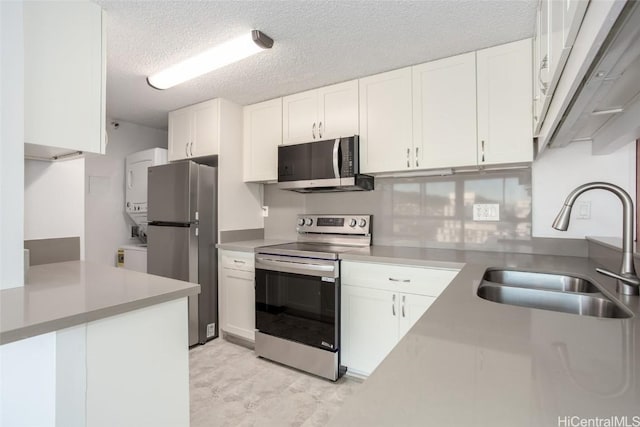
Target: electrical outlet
265, 211
211, 330
583, 210
486, 212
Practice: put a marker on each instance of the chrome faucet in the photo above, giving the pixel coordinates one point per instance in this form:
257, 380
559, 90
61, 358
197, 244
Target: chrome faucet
628, 282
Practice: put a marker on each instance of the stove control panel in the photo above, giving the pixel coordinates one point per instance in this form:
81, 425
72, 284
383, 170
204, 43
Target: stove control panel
334, 224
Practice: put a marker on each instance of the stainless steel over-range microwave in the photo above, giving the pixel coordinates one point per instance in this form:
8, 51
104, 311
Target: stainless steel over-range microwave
322, 166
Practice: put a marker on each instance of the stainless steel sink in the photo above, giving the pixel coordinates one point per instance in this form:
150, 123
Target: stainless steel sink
546, 291
565, 302
554, 282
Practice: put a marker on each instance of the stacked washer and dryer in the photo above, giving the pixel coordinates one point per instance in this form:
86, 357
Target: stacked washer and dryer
134, 256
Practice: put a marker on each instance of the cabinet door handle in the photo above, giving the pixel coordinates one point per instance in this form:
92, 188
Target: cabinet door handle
186, 149
408, 154
403, 300
393, 304
191, 149
417, 164
320, 130
544, 64
313, 130
482, 150
393, 279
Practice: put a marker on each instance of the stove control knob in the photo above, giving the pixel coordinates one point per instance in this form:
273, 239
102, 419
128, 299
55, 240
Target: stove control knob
309, 221
300, 221
363, 222
352, 222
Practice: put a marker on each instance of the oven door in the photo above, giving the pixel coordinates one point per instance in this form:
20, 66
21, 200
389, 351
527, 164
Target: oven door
298, 299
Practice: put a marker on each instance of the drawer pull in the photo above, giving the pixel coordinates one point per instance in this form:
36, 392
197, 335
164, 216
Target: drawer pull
237, 261
392, 279
393, 304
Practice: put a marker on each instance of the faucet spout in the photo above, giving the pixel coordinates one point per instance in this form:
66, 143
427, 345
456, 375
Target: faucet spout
627, 279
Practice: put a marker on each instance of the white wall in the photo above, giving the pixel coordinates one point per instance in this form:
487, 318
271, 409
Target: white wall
54, 200
558, 171
107, 225
11, 145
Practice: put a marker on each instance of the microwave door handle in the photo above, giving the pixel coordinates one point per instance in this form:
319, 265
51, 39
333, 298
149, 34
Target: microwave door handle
336, 152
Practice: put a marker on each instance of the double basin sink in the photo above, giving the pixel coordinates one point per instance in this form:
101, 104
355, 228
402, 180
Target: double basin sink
555, 292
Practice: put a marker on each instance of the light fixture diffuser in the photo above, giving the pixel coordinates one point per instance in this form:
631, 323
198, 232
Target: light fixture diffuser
212, 59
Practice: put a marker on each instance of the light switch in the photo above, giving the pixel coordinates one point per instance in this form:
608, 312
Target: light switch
583, 210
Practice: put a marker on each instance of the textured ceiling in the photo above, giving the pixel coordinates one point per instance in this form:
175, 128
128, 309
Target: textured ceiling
316, 43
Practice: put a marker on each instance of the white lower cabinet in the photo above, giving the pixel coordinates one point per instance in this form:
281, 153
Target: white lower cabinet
411, 308
369, 327
380, 303
237, 294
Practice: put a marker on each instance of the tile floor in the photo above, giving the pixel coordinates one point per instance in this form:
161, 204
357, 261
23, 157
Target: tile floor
230, 386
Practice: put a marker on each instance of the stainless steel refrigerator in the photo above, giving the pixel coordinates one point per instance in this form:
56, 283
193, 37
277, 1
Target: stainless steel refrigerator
181, 237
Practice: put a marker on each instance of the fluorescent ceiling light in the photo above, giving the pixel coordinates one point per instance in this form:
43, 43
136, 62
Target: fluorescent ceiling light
212, 59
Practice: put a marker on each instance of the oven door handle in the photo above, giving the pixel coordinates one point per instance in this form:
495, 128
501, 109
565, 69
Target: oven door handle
295, 267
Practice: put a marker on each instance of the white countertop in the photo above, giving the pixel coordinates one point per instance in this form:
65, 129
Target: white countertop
65, 294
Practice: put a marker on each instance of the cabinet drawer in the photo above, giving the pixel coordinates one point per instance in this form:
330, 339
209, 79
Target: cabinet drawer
243, 261
397, 278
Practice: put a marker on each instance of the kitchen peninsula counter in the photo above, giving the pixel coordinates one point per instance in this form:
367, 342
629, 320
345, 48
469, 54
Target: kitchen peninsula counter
473, 362
61, 295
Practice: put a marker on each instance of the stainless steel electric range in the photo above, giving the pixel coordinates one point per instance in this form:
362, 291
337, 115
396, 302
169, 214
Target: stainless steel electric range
298, 293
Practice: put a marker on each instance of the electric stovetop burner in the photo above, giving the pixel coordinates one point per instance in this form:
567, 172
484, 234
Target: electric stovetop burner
325, 236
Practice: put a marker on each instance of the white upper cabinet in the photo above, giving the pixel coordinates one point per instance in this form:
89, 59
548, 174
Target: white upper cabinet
338, 110
64, 78
558, 22
179, 134
572, 13
386, 132
205, 128
325, 113
194, 131
504, 104
261, 136
444, 113
465, 111
300, 117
